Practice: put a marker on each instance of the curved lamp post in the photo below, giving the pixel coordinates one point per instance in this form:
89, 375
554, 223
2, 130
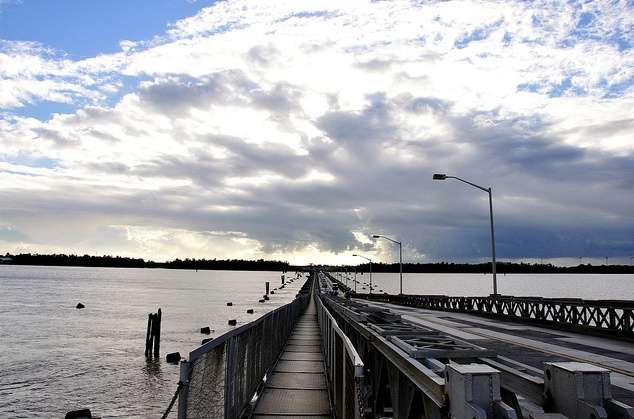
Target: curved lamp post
442, 176
400, 256
369, 260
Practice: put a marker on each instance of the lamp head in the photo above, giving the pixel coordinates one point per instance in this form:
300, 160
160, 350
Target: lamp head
439, 176
355, 254
376, 236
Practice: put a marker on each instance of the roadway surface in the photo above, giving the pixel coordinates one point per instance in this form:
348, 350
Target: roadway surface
531, 345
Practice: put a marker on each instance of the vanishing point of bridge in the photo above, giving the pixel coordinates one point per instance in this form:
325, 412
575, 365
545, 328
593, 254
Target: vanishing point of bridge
334, 354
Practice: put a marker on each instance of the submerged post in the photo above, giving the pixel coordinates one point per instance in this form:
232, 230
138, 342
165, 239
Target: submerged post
148, 335
157, 335
153, 334
267, 287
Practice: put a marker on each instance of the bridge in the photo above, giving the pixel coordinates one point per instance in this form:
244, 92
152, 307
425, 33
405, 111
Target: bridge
332, 353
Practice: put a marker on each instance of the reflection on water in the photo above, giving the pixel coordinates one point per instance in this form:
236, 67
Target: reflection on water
152, 367
56, 358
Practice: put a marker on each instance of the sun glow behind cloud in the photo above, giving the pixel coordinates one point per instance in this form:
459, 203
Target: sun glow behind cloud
306, 126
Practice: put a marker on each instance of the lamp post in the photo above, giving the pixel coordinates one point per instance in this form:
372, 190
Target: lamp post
355, 280
442, 176
369, 260
400, 256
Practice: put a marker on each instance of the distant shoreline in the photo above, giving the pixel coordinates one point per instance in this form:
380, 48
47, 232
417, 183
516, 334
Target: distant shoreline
273, 265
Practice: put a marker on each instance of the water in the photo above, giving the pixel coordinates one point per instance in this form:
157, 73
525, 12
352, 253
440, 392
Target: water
55, 358
587, 286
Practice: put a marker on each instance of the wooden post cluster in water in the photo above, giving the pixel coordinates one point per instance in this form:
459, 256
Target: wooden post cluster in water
153, 336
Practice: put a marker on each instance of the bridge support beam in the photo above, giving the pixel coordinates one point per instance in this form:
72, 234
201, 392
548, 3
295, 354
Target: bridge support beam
580, 390
474, 393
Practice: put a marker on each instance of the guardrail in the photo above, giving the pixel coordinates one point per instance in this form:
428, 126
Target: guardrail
343, 364
222, 376
612, 317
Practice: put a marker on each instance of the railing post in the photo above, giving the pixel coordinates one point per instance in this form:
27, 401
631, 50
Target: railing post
182, 397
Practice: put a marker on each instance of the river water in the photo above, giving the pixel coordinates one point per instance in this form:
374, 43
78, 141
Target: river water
55, 358
587, 286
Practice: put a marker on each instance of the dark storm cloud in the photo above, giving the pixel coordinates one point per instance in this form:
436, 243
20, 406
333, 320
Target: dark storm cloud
539, 181
177, 95
242, 160
517, 156
368, 127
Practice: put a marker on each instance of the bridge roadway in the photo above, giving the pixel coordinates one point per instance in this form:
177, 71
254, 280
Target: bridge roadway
530, 345
297, 387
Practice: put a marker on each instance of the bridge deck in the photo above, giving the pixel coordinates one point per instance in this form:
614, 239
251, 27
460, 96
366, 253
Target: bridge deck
297, 388
532, 345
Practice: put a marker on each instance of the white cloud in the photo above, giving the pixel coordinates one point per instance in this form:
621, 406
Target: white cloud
314, 122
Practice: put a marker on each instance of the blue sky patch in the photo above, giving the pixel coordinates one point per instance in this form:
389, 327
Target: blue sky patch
32, 161
86, 28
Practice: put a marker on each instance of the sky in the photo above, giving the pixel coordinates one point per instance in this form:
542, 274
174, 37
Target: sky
297, 130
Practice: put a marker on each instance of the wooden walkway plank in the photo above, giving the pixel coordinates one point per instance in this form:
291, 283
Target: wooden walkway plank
297, 387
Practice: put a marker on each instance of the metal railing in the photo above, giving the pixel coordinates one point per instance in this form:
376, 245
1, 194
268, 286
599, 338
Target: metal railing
613, 317
222, 376
344, 366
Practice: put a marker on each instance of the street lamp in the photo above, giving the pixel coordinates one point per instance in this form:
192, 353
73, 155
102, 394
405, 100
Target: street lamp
442, 176
369, 260
355, 280
400, 255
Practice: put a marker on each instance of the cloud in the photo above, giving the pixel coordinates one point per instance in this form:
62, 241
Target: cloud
298, 130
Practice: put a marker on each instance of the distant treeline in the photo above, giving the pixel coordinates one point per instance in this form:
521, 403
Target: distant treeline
125, 262
273, 265
502, 268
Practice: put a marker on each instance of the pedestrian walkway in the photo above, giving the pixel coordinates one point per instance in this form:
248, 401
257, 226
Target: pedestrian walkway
297, 387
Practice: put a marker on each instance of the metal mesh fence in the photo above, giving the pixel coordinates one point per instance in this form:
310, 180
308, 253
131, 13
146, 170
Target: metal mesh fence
206, 392
222, 376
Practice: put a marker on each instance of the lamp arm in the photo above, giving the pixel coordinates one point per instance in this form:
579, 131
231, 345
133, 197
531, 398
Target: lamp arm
469, 183
392, 240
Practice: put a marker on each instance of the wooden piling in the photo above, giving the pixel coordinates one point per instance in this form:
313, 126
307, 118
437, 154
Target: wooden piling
157, 336
267, 288
153, 334
148, 336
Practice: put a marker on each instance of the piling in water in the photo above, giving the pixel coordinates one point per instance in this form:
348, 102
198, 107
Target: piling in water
232, 322
79, 414
205, 330
173, 358
153, 334
157, 334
